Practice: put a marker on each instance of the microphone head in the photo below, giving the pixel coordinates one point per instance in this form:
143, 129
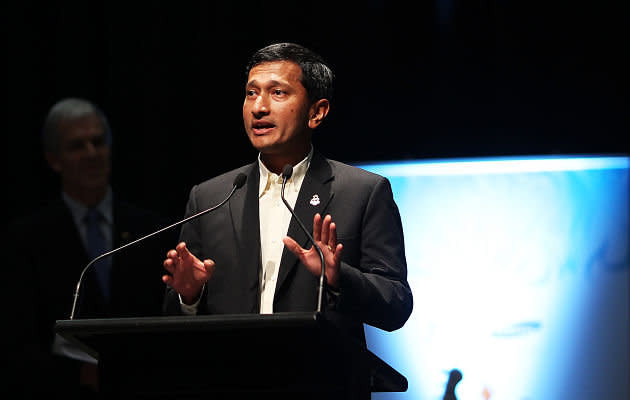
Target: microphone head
287, 171
239, 180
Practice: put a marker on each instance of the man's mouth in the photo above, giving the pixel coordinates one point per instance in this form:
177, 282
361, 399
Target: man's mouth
262, 127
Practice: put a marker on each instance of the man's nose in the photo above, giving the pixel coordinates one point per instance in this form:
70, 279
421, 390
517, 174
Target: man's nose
261, 106
91, 147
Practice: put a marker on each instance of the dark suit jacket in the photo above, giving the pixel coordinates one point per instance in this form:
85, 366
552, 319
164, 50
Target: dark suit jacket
46, 262
373, 285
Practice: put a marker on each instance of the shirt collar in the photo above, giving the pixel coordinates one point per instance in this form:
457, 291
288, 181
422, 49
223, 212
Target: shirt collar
79, 210
267, 177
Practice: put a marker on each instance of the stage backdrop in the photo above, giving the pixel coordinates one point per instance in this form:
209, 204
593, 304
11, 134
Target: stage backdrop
519, 271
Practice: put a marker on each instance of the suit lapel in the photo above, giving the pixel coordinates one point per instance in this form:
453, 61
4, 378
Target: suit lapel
246, 225
314, 197
244, 210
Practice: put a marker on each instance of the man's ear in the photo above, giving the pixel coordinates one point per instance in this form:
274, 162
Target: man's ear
318, 112
53, 161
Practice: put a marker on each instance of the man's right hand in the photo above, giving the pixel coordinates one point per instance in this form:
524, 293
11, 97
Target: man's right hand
187, 274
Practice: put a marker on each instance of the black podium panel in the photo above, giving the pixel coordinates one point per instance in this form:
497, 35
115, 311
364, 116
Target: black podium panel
286, 355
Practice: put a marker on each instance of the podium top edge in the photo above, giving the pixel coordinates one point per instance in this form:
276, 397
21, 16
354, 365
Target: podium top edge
183, 322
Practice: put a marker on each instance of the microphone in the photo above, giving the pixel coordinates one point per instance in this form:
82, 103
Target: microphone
239, 181
287, 171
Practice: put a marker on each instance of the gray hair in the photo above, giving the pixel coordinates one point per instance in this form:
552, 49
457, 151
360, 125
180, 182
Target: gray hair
69, 109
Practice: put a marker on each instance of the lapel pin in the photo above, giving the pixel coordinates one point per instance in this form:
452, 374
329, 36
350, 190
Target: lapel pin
315, 200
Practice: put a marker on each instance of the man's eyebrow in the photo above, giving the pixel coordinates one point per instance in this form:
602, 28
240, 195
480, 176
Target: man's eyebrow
272, 82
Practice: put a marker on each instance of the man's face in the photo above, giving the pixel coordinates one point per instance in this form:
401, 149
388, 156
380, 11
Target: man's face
83, 159
276, 109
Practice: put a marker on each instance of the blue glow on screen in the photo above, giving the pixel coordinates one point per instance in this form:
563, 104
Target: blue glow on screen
519, 271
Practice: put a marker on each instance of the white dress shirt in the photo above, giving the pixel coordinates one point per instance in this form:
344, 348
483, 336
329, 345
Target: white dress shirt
274, 224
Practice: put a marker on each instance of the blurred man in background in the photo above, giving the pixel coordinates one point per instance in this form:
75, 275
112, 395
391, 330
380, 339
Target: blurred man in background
56, 242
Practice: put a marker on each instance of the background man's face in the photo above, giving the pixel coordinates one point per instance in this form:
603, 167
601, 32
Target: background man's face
83, 159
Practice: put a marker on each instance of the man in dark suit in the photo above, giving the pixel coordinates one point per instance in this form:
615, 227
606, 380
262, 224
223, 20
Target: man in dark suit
56, 242
250, 256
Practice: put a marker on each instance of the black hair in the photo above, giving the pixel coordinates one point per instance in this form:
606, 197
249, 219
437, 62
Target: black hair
317, 77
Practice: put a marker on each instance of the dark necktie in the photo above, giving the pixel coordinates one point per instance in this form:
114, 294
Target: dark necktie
96, 246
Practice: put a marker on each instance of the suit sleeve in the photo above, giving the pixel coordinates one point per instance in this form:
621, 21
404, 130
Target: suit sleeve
376, 290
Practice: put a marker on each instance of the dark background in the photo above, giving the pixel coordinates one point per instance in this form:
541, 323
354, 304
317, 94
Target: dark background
436, 79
